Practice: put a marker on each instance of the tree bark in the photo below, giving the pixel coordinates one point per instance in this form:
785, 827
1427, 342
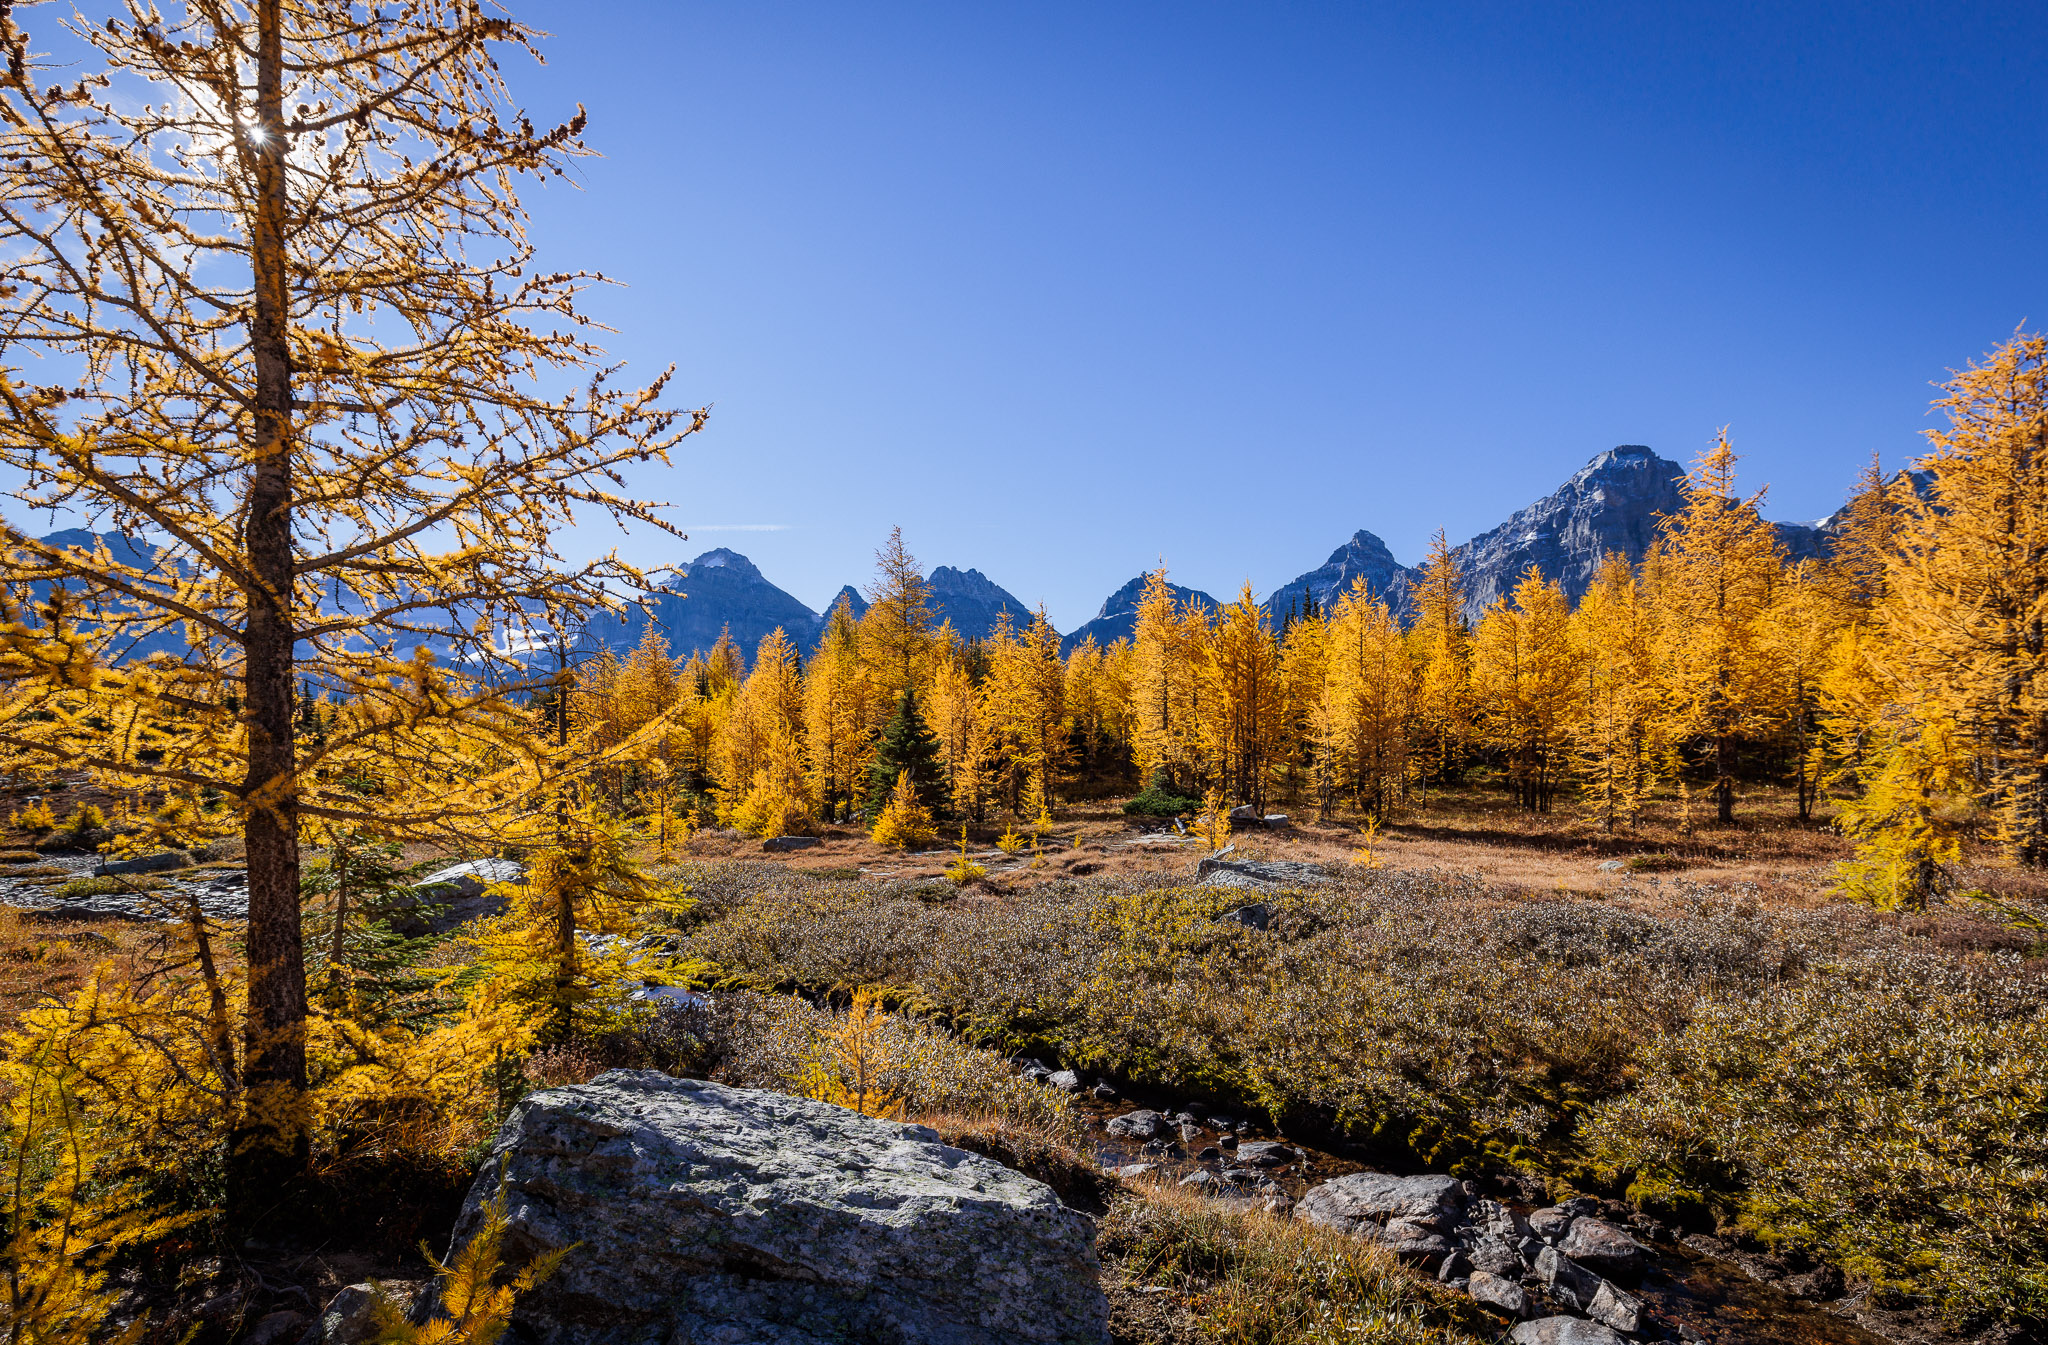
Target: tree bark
272, 1136
1724, 776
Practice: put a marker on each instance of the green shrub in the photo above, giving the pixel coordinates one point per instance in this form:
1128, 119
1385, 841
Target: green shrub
1157, 799
108, 885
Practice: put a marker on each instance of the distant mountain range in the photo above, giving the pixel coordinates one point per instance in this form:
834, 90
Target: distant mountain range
1612, 504
1119, 615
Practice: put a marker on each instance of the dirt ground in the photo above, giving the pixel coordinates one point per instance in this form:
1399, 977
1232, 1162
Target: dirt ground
1470, 830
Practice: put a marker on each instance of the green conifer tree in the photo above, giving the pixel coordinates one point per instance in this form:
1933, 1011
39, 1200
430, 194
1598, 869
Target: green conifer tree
907, 744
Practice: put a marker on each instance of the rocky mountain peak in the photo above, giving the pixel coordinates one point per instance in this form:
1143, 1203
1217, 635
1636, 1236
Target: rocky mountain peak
1119, 615
973, 602
724, 558
1365, 557
1610, 504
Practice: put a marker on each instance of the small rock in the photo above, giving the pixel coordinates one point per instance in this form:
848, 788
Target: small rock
1066, 1080
780, 844
1455, 1267
1203, 1180
158, 863
1137, 1125
1131, 1170
1209, 1154
1266, 1154
1612, 865
1498, 1292
346, 1318
1416, 1242
1256, 916
1600, 1246
1569, 1282
1551, 1224
1495, 1256
1619, 1309
1227, 1140
1275, 820
1563, 1331
1103, 1092
1500, 1221
1189, 1134
1244, 813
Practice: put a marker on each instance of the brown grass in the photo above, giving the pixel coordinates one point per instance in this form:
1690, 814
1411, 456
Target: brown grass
1470, 829
45, 959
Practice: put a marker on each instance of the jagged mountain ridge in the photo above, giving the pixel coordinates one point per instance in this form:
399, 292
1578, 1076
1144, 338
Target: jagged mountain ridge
973, 604
720, 590
1612, 504
1119, 615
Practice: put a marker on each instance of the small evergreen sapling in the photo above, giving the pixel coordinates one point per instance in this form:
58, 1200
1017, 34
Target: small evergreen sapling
907, 745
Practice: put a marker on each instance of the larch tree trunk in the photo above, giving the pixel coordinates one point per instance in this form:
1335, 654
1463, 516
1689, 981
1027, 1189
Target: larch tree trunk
272, 1134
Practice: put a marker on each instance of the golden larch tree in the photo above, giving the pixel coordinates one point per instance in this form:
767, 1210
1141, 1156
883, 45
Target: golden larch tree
758, 763
1241, 709
838, 714
1614, 756
1719, 568
278, 253
1367, 696
1525, 684
1965, 617
1164, 731
1443, 655
896, 631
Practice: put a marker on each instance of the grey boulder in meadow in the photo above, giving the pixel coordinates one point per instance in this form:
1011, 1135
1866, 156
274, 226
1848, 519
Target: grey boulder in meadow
700, 1212
1364, 1202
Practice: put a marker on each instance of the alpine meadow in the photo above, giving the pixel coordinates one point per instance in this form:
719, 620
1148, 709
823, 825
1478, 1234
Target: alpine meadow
435, 909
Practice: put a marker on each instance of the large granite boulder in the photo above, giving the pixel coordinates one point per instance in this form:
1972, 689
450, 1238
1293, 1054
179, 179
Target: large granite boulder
1364, 1202
1563, 1331
1601, 1246
451, 896
706, 1213
1259, 875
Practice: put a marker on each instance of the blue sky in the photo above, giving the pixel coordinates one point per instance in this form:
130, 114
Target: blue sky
1065, 289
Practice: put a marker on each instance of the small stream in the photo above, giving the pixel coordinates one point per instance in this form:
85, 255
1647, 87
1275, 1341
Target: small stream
1702, 1298
223, 893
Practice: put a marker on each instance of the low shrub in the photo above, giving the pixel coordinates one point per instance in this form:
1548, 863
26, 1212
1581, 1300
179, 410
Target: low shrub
1238, 1274
779, 1042
108, 885
1889, 1111
1899, 1080
1157, 799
